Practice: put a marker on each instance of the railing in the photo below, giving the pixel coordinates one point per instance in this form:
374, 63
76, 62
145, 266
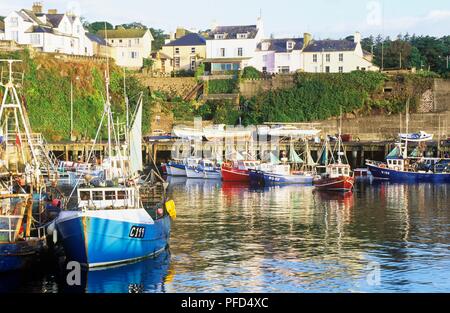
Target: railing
12, 235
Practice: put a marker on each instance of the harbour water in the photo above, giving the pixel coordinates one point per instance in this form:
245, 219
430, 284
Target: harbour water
228, 238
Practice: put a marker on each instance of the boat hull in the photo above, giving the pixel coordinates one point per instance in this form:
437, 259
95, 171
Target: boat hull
399, 176
19, 255
194, 173
256, 178
235, 175
212, 174
276, 179
109, 237
342, 183
176, 170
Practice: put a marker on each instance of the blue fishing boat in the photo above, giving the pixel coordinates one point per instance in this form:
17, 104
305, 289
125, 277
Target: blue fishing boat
176, 168
115, 223
125, 232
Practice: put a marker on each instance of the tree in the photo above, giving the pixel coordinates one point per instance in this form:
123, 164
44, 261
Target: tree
159, 38
97, 26
133, 25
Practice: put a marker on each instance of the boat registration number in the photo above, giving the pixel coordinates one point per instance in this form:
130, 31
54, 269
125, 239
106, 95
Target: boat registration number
137, 232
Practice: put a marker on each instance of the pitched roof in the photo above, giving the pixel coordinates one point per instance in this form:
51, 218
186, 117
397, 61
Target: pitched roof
31, 16
330, 46
96, 39
122, 33
191, 39
54, 19
231, 32
280, 45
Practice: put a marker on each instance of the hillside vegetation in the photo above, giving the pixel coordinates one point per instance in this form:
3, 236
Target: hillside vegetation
46, 90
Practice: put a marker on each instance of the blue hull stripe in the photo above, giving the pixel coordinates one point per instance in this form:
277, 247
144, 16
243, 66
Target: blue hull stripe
389, 174
102, 242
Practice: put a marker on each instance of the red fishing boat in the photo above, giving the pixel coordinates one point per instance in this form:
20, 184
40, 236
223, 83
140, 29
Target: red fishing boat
238, 171
338, 175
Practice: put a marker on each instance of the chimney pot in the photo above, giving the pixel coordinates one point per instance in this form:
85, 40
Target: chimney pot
37, 7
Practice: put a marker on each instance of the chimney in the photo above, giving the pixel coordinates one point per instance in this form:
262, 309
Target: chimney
357, 37
307, 38
37, 7
214, 25
52, 11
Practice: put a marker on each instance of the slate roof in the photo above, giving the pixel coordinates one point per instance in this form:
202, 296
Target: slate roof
96, 39
191, 39
330, 46
122, 33
280, 45
40, 29
54, 19
231, 32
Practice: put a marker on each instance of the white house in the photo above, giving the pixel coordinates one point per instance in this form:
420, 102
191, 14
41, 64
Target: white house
233, 47
131, 46
48, 32
279, 55
336, 56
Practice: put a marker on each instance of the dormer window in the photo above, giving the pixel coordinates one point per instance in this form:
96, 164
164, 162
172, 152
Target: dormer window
265, 46
219, 36
290, 45
242, 36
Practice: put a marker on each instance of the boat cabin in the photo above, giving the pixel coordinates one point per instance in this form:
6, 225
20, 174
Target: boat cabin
338, 170
107, 197
396, 164
246, 165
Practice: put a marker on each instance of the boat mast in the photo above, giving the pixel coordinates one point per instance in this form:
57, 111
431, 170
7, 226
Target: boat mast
340, 139
405, 151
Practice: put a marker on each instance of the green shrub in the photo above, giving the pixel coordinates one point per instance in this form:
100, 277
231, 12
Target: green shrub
250, 72
222, 86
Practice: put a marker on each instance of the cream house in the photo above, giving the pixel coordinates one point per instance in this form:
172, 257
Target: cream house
131, 46
336, 56
186, 52
48, 32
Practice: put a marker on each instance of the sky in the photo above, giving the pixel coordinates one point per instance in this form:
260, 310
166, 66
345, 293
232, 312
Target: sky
282, 18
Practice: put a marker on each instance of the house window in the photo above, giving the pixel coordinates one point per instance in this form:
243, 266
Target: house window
120, 40
177, 50
315, 58
35, 39
219, 36
14, 22
328, 57
264, 69
222, 52
290, 45
177, 62
15, 36
264, 58
112, 41
240, 52
193, 63
129, 43
134, 54
341, 69
341, 57
283, 69
242, 36
136, 41
327, 69
193, 50
78, 29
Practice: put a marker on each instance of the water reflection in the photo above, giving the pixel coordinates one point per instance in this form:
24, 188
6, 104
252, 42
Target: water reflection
235, 238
